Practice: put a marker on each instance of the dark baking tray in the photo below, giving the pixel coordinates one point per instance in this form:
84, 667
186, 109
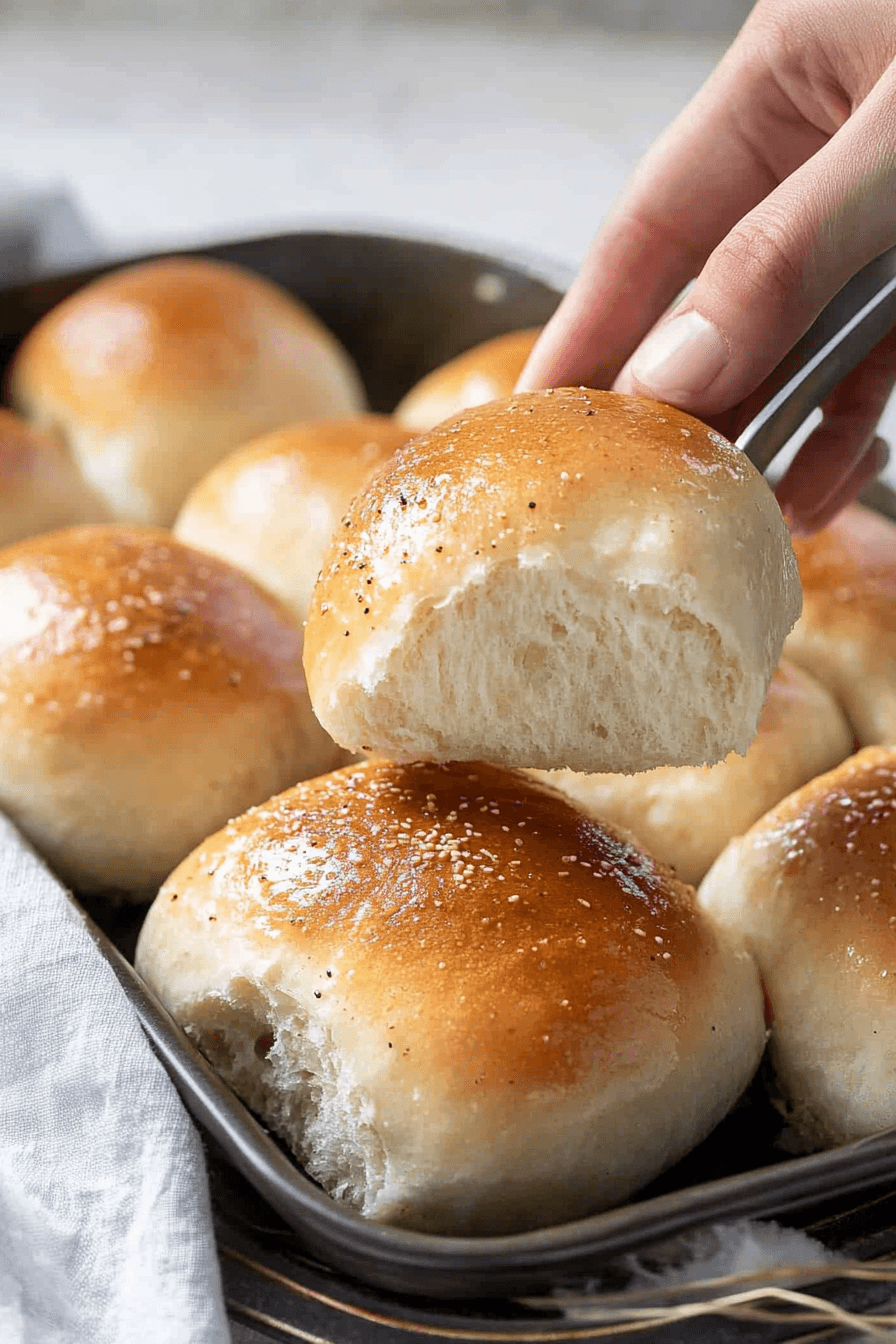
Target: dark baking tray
402, 306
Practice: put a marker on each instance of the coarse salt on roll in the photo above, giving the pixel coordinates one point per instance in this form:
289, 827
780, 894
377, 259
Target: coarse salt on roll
812, 889
571, 579
147, 693
466, 1007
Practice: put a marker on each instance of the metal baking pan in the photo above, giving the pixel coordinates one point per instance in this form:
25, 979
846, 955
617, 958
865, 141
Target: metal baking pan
401, 307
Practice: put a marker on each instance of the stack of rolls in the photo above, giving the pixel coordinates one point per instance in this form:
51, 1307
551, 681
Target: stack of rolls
423, 973
473, 998
148, 692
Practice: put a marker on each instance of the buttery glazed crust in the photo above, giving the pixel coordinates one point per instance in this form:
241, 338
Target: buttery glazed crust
366, 864
485, 373
812, 888
40, 487
846, 636
142, 685
627, 496
271, 507
153, 373
479, 966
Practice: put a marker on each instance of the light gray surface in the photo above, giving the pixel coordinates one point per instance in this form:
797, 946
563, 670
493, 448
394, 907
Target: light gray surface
672, 16
505, 133
514, 129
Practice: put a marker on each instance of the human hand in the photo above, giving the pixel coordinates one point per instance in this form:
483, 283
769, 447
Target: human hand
774, 186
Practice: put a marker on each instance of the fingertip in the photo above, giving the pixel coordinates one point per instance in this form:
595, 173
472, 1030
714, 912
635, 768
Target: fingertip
625, 382
544, 362
680, 358
528, 379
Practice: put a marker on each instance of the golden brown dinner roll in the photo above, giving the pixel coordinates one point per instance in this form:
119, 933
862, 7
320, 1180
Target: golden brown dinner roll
272, 507
151, 374
686, 815
40, 487
465, 1006
812, 887
484, 373
147, 693
566, 579
846, 636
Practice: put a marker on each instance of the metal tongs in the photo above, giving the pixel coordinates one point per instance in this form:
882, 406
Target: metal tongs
852, 324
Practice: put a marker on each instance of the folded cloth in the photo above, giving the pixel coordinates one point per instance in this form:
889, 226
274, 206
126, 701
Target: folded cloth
42, 229
105, 1225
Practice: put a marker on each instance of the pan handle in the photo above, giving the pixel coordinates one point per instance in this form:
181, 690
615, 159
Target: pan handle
852, 324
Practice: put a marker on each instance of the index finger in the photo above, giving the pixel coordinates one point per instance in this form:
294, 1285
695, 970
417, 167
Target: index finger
733, 144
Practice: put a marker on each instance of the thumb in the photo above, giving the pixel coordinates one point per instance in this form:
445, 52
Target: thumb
766, 282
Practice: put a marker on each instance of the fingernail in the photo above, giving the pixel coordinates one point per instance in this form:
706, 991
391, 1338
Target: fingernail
680, 357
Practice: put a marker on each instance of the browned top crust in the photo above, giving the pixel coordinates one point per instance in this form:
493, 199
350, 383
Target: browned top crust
101, 621
173, 330
458, 894
572, 471
484, 373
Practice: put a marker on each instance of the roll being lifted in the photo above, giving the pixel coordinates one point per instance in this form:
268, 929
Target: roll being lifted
566, 579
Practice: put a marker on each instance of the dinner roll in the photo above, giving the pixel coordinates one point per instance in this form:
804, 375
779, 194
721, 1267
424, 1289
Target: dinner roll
153, 373
40, 487
846, 636
484, 373
686, 815
272, 507
147, 693
566, 579
466, 1007
812, 887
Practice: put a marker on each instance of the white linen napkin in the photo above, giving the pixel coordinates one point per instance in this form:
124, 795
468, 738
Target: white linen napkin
105, 1225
